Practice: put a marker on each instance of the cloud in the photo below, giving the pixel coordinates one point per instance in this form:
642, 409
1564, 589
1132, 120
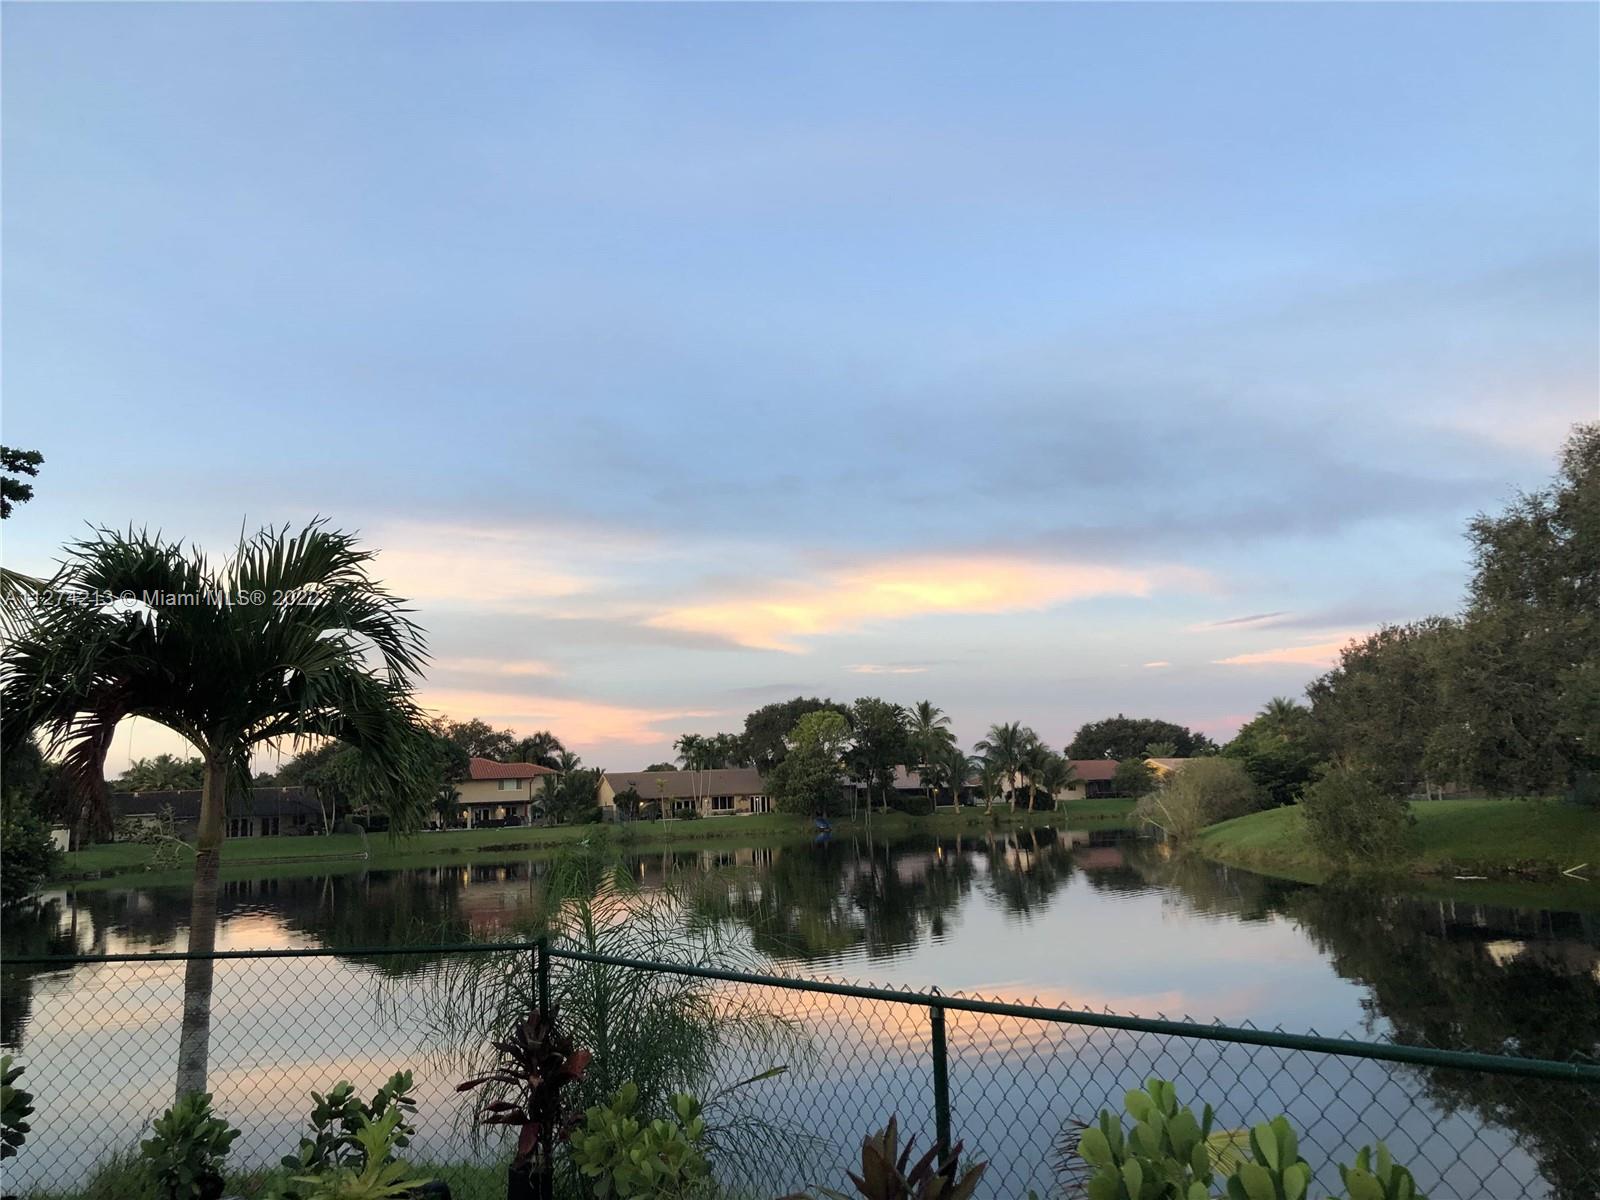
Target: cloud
883, 669
579, 722
1160, 662
779, 616
1267, 618
1321, 653
492, 666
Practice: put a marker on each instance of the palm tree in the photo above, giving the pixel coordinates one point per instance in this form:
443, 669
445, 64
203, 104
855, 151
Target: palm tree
1036, 758
274, 643
1005, 747
1282, 715
1056, 774
991, 779
929, 733
541, 748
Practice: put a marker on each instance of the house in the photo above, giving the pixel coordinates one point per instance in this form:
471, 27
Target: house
1091, 779
726, 792
264, 812
497, 793
1166, 768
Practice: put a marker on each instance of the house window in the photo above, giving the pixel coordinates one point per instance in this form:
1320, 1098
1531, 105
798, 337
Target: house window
683, 804
269, 826
480, 814
238, 826
509, 785
722, 804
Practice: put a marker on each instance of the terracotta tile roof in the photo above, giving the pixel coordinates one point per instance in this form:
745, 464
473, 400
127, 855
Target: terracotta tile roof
487, 768
1094, 769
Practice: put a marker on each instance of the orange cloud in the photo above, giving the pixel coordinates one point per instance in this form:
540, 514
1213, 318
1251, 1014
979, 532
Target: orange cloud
883, 669
1160, 662
1309, 654
580, 722
775, 618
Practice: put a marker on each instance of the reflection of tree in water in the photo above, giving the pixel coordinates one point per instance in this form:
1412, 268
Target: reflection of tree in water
1477, 985
827, 898
32, 929
1026, 869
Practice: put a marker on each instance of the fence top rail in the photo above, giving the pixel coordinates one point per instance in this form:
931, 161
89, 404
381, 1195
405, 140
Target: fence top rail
1495, 1064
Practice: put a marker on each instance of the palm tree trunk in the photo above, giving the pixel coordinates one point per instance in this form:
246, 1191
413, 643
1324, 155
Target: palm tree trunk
194, 1043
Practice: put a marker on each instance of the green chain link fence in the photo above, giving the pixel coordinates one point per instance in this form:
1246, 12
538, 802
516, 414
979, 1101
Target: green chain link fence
98, 1036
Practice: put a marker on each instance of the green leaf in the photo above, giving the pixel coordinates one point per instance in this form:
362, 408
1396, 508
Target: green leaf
1094, 1149
1257, 1182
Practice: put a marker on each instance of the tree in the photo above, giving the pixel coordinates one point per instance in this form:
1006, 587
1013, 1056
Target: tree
1056, 776
1122, 737
13, 463
1006, 746
1206, 791
541, 749
662, 766
878, 733
481, 740
1277, 750
948, 770
628, 802
1036, 758
928, 734
28, 855
272, 644
1520, 679
163, 773
1134, 777
767, 729
809, 777
1380, 707
1354, 821
572, 797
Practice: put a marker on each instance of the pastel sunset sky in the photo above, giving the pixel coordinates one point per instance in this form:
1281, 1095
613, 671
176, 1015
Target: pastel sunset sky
1046, 362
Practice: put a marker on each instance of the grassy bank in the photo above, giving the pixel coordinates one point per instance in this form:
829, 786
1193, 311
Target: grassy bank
1529, 838
284, 857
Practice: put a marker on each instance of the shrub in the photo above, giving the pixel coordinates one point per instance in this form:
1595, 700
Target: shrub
16, 1106
27, 855
187, 1149
338, 1116
1354, 822
1203, 792
626, 1158
1134, 778
888, 1175
1169, 1155
376, 1176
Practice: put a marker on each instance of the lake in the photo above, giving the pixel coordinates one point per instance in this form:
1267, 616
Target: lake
1088, 921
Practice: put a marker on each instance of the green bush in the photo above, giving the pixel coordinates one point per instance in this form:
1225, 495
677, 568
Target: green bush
1169, 1155
27, 855
628, 1158
377, 1175
338, 1116
187, 1148
1354, 823
16, 1106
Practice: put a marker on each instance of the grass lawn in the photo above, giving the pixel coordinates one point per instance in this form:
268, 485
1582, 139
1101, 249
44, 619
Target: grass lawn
1452, 837
283, 857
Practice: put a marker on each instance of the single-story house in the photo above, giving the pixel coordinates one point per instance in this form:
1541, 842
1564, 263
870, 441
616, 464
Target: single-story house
1166, 768
726, 792
264, 812
1091, 779
497, 793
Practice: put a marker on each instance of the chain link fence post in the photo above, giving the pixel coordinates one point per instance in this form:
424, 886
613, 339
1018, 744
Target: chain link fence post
941, 1082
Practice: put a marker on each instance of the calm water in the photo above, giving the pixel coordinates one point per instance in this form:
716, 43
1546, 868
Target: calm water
1085, 921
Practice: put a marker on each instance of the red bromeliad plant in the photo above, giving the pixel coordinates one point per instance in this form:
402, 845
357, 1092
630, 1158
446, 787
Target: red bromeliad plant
536, 1062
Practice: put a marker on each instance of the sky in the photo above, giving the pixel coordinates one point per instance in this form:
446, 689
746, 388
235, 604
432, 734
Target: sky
1046, 362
